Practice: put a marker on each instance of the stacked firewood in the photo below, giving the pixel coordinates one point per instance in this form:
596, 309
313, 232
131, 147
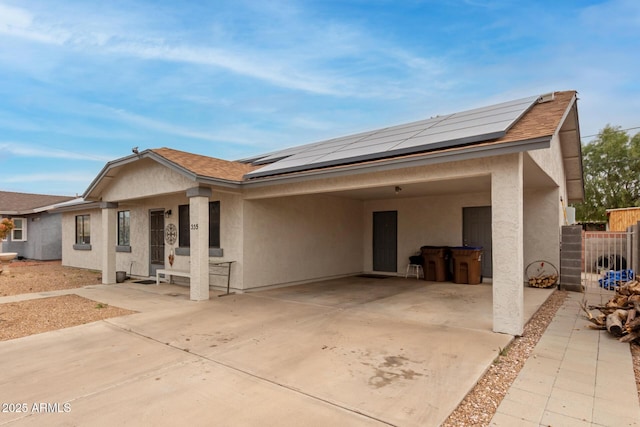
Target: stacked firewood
620, 315
543, 281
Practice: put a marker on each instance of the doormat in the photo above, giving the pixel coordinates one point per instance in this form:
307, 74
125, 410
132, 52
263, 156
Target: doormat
146, 282
374, 276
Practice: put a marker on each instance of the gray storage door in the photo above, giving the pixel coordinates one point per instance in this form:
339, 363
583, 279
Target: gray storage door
476, 231
385, 241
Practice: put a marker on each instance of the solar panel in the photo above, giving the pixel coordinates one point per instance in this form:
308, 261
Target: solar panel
466, 127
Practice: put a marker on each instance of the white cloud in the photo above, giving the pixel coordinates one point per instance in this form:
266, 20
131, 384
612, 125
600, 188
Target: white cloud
19, 23
49, 178
304, 60
26, 150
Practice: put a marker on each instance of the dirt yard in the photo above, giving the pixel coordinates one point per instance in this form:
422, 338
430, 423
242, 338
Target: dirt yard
19, 319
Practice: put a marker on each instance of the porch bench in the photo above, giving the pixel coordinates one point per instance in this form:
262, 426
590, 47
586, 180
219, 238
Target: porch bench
169, 273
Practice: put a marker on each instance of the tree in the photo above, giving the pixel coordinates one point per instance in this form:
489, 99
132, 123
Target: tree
611, 166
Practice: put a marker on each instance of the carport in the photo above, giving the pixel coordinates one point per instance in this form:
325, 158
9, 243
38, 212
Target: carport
323, 228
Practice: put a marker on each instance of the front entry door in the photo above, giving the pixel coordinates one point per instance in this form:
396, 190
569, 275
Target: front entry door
476, 231
156, 241
385, 241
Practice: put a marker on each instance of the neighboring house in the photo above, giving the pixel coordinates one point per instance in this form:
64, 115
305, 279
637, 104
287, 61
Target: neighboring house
491, 177
38, 231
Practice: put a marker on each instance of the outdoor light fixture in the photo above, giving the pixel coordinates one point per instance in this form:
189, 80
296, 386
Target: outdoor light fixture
167, 214
398, 189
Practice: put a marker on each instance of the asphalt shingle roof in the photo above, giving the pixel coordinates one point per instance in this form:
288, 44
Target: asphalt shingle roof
11, 202
206, 166
542, 120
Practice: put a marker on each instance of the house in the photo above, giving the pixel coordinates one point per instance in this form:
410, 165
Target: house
38, 230
494, 177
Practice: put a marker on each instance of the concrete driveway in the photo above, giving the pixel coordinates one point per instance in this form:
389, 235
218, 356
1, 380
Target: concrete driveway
356, 351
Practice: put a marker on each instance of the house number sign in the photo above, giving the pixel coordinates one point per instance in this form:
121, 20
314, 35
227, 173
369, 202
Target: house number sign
170, 234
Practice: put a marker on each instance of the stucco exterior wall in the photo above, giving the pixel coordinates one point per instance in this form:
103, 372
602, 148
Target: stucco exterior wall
407, 175
90, 259
550, 161
44, 237
136, 262
145, 178
434, 220
296, 239
541, 227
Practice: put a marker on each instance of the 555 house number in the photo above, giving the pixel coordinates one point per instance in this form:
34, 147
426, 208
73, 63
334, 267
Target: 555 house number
194, 226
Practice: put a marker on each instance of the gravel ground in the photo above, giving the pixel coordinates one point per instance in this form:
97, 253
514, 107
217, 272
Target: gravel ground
19, 319
27, 277
46, 314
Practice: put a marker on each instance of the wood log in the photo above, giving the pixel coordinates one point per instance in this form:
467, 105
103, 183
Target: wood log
634, 325
632, 313
630, 337
598, 322
614, 322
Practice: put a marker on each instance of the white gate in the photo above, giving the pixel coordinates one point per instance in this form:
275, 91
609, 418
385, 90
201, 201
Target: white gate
607, 259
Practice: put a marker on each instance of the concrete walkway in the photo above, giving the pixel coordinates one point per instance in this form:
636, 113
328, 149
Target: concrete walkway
352, 351
362, 352
576, 376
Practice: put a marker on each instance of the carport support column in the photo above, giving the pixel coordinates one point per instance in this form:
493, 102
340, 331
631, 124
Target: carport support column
507, 233
199, 251
109, 221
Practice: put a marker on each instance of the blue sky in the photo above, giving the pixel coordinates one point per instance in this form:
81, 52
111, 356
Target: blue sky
81, 83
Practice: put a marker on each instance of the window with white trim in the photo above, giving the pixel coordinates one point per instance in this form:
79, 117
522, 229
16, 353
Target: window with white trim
19, 232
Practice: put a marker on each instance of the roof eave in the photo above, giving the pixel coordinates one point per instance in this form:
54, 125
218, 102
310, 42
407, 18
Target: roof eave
82, 206
87, 195
468, 153
109, 166
575, 182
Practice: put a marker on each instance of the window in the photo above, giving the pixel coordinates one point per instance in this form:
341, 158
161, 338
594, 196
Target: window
184, 232
19, 232
184, 235
83, 229
214, 224
124, 230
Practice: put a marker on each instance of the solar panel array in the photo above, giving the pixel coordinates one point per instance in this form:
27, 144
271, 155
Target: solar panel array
472, 126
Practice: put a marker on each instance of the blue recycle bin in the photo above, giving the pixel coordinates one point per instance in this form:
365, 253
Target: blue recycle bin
613, 279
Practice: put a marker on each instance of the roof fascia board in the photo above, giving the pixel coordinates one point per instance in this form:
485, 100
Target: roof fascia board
573, 104
218, 181
469, 153
77, 207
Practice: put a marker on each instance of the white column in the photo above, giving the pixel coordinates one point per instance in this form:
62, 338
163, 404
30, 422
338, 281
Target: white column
507, 231
199, 251
109, 221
